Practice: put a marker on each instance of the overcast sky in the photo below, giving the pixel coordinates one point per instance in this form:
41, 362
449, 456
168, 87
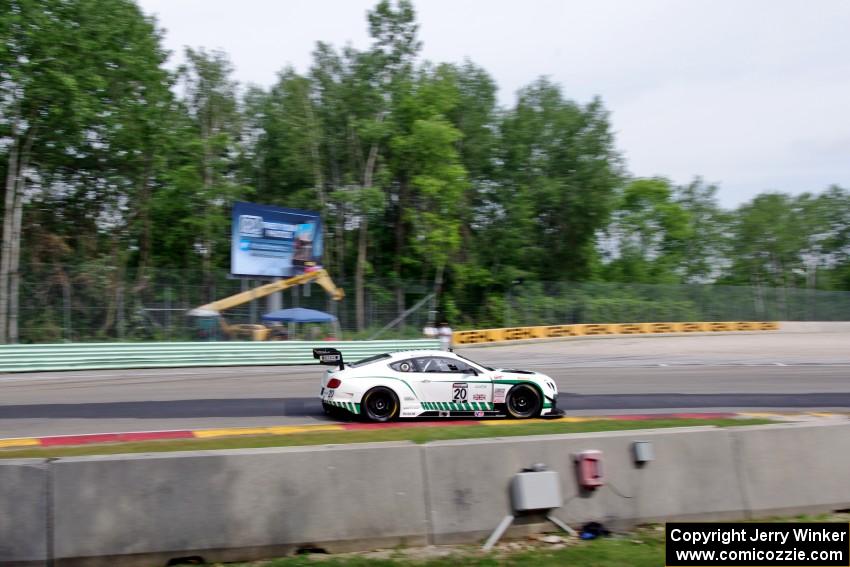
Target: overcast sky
752, 95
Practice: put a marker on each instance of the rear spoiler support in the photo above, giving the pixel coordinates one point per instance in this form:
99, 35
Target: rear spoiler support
329, 357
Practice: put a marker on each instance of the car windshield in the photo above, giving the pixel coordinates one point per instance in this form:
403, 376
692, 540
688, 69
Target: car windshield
473, 362
367, 360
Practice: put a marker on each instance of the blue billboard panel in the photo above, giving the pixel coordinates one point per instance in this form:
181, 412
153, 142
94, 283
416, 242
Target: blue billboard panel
273, 241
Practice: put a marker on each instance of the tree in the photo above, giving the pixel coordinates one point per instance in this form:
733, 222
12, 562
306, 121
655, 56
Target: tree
766, 242
558, 179
824, 221
287, 165
209, 97
836, 242
392, 55
360, 90
354, 129
706, 246
650, 232
476, 117
70, 72
427, 170
333, 80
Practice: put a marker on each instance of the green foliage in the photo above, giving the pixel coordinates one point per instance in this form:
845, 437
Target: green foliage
604, 310
766, 242
44, 327
651, 232
560, 172
282, 160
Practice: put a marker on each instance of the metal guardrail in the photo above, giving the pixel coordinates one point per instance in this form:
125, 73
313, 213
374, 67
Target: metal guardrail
591, 329
98, 356
102, 356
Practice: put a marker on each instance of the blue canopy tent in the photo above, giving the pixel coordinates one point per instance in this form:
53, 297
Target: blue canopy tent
301, 315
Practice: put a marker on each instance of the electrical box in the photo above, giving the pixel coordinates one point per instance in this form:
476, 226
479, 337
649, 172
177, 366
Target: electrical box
589, 465
643, 452
536, 490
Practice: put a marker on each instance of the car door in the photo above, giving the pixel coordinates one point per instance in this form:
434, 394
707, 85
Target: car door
479, 387
449, 384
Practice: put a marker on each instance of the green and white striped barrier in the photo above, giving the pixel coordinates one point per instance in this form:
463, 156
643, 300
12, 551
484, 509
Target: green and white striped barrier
97, 356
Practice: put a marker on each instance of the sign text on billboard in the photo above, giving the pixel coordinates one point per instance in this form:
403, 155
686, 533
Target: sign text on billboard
273, 241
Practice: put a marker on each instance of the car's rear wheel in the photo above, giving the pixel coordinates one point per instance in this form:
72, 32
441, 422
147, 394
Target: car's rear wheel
379, 404
523, 401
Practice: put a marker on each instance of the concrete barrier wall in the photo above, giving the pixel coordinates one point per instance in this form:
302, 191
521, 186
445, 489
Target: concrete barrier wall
698, 473
794, 468
245, 504
241, 504
815, 327
23, 512
691, 475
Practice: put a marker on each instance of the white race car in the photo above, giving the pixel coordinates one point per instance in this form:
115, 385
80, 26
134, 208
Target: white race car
429, 383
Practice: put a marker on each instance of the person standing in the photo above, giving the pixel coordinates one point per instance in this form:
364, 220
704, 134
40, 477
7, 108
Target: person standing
430, 331
444, 332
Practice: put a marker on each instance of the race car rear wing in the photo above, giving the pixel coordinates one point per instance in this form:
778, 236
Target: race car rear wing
329, 356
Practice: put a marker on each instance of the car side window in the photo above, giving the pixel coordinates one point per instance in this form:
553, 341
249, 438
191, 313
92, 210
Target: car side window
433, 364
457, 366
427, 364
404, 366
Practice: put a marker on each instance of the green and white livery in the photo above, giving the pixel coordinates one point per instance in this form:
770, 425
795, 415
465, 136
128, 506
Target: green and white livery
429, 383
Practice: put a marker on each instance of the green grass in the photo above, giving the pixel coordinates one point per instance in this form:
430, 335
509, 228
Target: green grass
643, 547
415, 434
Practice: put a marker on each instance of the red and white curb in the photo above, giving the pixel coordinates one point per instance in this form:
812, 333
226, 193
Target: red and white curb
129, 437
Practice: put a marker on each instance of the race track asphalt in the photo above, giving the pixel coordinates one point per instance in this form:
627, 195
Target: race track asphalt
608, 376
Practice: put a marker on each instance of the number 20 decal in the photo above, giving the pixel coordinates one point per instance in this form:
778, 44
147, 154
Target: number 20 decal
459, 391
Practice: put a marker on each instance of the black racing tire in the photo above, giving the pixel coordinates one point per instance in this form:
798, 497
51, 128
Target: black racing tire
523, 402
379, 404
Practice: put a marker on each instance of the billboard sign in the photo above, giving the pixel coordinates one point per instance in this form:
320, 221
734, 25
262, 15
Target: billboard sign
273, 241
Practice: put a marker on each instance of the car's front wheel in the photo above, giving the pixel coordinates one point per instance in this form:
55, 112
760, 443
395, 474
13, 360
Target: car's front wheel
380, 404
523, 401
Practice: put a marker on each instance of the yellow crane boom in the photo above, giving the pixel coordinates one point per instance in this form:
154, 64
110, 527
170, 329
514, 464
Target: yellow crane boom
261, 332
320, 276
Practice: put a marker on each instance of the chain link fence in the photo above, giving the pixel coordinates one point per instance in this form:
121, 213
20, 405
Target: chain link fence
105, 303
552, 303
